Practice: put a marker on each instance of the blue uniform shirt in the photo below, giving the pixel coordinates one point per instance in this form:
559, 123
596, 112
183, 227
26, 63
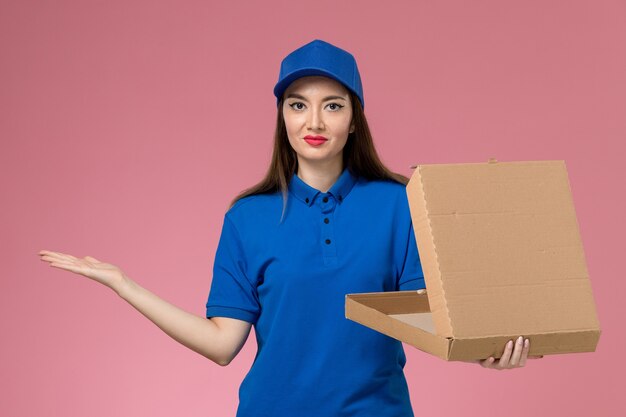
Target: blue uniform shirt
290, 279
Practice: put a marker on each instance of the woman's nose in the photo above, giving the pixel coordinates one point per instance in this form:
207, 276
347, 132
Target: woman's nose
315, 120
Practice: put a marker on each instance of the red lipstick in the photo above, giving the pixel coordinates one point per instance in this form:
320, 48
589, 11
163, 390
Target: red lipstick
314, 140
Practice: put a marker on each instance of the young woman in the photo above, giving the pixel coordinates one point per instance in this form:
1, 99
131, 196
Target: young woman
328, 219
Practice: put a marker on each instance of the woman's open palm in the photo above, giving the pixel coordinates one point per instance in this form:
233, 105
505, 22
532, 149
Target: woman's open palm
102, 272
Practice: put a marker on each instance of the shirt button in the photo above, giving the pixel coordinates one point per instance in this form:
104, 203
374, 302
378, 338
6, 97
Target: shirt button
306, 199
328, 241
325, 200
326, 220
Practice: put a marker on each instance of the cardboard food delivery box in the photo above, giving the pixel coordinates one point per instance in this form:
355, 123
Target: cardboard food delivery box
502, 257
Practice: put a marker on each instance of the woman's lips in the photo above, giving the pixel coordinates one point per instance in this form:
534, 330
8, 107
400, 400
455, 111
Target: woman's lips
314, 140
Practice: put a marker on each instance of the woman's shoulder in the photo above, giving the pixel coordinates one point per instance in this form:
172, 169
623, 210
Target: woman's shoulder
255, 207
383, 186
383, 195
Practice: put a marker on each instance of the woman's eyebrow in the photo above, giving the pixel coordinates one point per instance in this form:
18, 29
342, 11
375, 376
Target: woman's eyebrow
294, 95
298, 96
334, 98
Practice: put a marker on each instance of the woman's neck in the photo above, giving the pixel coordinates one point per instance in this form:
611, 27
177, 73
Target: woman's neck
320, 176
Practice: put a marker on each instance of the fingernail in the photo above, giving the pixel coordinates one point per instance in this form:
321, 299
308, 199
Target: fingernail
526, 343
509, 343
519, 340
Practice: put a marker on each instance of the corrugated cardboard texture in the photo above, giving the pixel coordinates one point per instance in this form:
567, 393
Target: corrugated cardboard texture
500, 249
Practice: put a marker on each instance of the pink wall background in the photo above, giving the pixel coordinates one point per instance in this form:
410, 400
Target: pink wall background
127, 127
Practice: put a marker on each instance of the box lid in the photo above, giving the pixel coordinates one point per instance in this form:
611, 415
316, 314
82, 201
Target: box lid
500, 248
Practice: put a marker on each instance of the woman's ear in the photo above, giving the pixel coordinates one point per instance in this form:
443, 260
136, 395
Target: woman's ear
351, 128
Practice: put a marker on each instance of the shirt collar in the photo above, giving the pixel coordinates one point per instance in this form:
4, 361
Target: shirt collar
340, 189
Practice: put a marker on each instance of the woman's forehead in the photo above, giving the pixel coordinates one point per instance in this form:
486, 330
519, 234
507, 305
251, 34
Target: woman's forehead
315, 83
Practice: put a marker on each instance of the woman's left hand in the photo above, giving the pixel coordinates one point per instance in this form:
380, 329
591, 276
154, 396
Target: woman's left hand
514, 356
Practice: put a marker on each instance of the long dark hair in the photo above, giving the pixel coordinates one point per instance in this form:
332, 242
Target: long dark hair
359, 156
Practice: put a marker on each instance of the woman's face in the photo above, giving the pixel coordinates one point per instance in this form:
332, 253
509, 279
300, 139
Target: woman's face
317, 107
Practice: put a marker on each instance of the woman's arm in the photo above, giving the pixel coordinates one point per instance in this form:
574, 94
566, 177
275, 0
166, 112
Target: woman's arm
218, 339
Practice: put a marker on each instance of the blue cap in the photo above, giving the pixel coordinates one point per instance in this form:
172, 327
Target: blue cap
320, 58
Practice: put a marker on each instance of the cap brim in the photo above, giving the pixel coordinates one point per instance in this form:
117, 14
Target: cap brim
280, 87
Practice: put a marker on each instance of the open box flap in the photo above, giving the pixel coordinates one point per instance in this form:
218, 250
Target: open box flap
500, 249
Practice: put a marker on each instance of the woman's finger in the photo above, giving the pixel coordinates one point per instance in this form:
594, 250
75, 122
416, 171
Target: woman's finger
522, 361
61, 255
488, 363
69, 267
91, 259
506, 355
58, 255
50, 258
517, 352
49, 254
74, 265
67, 256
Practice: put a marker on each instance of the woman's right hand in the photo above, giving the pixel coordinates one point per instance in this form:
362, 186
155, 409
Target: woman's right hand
102, 272
218, 338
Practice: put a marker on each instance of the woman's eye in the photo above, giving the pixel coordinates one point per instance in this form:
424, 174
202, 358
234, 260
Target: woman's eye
297, 105
334, 106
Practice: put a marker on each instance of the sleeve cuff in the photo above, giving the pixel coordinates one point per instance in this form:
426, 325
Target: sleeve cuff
231, 312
